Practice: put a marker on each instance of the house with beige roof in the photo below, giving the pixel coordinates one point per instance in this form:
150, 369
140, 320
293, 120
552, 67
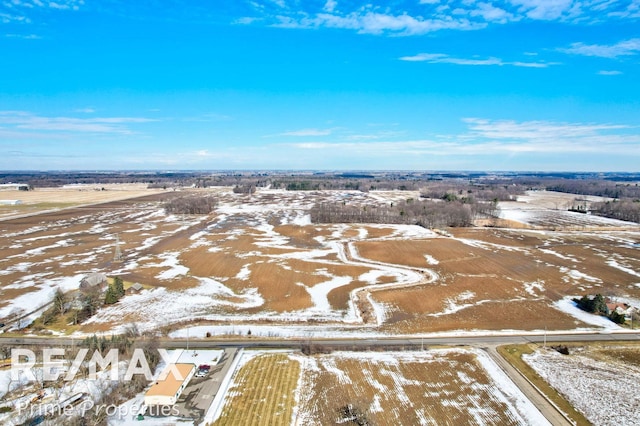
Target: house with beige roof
168, 390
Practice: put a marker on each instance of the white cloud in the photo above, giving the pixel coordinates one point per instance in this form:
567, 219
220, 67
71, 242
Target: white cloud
330, 5
624, 48
612, 72
24, 36
509, 129
367, 21
491, 13
440, 58
487, 137
404, 18
547, 9
19, 121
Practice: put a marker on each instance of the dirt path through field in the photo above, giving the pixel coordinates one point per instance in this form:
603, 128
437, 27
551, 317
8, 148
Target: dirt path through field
348, 254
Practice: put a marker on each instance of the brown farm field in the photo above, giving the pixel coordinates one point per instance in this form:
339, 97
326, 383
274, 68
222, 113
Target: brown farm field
259, 260
439, 387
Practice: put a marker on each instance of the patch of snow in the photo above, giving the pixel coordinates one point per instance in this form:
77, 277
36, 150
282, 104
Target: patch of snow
560, 255
533, 286
615, 264
568, 306
171, 260
430, 259
244, 273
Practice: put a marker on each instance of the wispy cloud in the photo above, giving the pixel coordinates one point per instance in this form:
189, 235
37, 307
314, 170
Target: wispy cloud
486, 137
440, 58
19, 120
23, 11
624, 48
535, 130
373, 22
612, 72
24, 36
405, 18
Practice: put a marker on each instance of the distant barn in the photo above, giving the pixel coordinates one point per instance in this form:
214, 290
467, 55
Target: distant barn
96, 279
14, 187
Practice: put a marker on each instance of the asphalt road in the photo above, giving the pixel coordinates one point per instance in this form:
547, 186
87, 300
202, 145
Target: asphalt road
350, 343
548, 410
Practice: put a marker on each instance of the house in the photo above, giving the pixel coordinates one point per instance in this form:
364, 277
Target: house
168, 390
619, 307
96, 279
135, 289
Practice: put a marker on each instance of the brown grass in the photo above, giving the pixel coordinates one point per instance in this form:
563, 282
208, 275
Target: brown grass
265, 394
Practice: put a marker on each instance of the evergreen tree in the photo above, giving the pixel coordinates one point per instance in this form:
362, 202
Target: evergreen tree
110, 296
118, 285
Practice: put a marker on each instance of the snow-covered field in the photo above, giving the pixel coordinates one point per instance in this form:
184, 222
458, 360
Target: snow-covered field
550, 210
605, 392
258, 261
443, 386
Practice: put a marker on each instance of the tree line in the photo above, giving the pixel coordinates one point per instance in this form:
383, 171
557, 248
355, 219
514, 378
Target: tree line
191, 204
425, 213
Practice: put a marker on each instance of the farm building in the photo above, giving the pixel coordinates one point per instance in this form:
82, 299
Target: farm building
14, 187
95, 279
135, 289
10, 202
167, 391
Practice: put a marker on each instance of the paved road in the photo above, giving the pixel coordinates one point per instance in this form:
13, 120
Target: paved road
547, 409
351, 343
199, 393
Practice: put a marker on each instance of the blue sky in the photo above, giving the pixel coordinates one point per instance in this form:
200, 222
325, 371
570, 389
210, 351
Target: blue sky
282, 84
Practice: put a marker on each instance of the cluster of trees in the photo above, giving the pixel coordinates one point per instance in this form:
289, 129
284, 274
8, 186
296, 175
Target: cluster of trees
470, 193
597, 305
248, 188
599, 187
115, 291
191, 205
84, 306
618, 209
429, 214
121, 391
